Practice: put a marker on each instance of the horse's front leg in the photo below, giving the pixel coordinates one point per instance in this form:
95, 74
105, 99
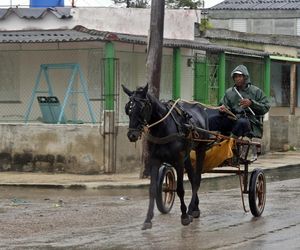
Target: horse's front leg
154, 166
194, 174
193, 209
185, 218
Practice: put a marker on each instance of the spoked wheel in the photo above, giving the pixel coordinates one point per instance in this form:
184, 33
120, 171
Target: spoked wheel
257, 192
166, 188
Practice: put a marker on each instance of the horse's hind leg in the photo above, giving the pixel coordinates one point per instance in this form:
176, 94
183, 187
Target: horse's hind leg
152, 194
185, 218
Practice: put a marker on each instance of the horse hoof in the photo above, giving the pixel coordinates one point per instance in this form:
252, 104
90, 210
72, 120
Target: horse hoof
196, 214
147, 225
186, 220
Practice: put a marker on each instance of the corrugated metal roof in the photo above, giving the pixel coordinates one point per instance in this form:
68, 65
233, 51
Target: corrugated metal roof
41, 36
172, 43
80, 33
257, 5
281, 40
35, 13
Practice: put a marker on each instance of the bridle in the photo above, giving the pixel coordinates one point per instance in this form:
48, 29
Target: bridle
145, 111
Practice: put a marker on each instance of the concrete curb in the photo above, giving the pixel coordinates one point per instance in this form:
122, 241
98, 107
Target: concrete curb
46, 185
73, 181
137, 183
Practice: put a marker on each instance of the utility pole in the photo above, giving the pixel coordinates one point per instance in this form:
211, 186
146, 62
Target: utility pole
155, 45
153, 63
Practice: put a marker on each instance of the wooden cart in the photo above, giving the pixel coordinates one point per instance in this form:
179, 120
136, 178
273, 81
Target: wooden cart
236, 156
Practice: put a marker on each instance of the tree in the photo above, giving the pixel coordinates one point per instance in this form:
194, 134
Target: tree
192, 4
133, 3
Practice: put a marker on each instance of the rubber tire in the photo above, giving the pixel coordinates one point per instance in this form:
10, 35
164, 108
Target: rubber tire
257, 192
165, 197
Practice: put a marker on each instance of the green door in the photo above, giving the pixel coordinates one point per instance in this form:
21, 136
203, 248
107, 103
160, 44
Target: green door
206, 81
200, 81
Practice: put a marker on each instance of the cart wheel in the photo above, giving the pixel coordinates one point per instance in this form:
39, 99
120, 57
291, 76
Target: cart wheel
257, 192
166, 188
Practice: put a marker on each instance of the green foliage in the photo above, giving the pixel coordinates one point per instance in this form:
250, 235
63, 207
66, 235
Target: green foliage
205, 25
192, 4
173, 4
134, 3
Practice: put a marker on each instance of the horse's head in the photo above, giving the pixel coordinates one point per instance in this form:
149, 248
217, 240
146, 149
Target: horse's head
139, 110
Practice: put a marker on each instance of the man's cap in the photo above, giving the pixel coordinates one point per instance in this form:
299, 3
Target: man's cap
237, 72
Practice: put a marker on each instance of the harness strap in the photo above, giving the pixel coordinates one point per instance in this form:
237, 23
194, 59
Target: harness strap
165, 139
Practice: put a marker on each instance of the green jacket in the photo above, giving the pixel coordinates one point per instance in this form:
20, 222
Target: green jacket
260, 103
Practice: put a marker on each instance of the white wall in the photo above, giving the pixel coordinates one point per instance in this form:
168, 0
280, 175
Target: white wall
259, 25
179, 24
187, 75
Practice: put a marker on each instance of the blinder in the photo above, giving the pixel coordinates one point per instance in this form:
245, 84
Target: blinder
128, 107
145, 110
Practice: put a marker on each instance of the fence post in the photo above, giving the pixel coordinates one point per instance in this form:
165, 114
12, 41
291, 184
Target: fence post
267, 75
109, 76
176, 73
293, 89
109, 143
221, 76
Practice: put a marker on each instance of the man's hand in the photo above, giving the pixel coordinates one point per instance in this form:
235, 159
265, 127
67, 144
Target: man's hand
244, 103
222, 108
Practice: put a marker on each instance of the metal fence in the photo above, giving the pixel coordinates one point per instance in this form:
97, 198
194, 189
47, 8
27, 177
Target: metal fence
22, 83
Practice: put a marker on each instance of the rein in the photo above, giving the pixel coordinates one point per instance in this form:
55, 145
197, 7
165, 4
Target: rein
169, 112
233, 116
193, 129
190, 102
165, 139
174, 136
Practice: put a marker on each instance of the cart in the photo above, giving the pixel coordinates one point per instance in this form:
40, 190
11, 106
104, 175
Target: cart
236, 156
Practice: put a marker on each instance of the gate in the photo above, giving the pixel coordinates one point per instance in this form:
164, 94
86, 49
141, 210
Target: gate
206, 80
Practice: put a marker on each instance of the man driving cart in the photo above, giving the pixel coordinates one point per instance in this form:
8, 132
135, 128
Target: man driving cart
247, 102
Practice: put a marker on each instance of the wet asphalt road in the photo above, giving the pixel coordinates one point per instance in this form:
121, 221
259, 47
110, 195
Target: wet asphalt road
112, 219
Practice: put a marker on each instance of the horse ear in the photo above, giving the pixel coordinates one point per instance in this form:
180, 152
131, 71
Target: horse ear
126, 90
145, 90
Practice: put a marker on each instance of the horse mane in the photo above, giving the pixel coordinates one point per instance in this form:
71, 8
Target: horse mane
158, 104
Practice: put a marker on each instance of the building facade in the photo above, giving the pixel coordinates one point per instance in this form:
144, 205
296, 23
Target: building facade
273, 27
51, 52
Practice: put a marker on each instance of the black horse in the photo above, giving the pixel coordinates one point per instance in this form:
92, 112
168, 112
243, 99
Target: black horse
173, 133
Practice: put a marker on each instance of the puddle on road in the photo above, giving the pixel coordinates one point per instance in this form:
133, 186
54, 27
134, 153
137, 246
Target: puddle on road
232, 181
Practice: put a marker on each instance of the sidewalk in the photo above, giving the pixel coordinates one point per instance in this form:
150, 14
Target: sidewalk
267, 161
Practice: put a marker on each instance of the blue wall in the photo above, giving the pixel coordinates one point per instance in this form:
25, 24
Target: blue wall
46, 3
